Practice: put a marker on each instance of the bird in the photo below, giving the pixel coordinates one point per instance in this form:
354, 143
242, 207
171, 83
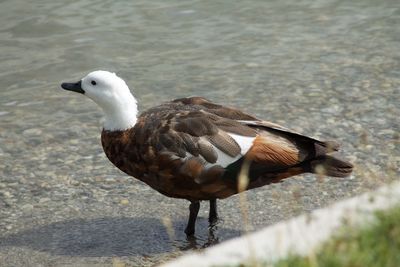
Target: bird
191, 148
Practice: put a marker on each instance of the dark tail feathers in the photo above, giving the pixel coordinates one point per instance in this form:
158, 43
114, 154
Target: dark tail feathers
323, 148
330, 166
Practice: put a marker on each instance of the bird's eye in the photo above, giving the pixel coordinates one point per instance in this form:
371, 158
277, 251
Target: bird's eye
93, 82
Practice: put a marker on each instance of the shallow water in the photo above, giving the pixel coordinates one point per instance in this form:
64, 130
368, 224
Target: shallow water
330, 69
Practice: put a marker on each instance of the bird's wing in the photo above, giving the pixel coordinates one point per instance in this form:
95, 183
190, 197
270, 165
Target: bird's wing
220, 135
278, 129
212, 138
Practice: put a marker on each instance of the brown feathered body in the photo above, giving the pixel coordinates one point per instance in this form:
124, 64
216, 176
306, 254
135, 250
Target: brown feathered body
175, 149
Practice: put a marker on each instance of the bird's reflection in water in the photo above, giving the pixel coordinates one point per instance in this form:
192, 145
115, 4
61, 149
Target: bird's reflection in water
193, 242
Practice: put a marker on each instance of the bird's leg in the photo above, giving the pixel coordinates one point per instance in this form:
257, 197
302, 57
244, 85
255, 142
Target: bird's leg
213, 216
194, 210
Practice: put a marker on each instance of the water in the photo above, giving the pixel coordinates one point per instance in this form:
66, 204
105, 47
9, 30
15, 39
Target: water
325, 68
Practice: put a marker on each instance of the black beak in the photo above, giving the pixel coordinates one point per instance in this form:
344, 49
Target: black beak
75, 87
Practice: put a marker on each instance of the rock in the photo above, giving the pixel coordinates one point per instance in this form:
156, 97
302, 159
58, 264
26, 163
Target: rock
124, 201
32, 132
7, 194
75, 183
27, 207
44, 199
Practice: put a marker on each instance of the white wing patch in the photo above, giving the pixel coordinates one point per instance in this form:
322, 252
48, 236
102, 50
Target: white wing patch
244, 142
224, 160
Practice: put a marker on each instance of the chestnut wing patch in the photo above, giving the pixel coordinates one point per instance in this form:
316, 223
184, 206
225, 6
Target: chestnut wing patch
273, 152
322, 146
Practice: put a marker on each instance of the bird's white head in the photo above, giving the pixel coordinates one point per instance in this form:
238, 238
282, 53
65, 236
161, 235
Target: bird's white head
112, 94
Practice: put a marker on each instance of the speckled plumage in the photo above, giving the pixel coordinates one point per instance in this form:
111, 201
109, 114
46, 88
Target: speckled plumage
156, 150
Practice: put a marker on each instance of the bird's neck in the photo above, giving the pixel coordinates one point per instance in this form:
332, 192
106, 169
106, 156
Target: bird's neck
121, 115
